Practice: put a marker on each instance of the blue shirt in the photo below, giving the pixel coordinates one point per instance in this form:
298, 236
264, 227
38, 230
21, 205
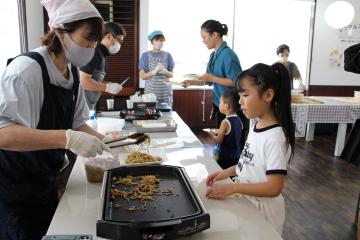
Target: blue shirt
223, 63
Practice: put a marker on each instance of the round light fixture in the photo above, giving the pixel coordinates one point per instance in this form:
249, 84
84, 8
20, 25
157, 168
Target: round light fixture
339, 14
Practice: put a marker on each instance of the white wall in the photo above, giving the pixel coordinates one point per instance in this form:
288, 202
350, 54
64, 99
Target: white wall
327, 66
10, 36
35, 23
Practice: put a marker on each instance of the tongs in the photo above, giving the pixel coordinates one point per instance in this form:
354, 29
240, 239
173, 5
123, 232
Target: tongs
135, 138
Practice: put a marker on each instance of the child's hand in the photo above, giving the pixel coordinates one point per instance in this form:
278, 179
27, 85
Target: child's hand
213, 132
220, 191
216, 176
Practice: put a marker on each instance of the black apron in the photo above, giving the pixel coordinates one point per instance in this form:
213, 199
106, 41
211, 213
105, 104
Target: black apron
28, 196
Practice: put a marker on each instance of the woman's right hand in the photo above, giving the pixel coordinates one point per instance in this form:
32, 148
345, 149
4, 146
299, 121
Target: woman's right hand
84, 144
216, 176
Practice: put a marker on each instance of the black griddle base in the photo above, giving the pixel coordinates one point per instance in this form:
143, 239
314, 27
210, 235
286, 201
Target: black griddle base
181, 214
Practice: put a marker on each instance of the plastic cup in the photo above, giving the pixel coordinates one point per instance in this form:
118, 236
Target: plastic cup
110, 104
129, 104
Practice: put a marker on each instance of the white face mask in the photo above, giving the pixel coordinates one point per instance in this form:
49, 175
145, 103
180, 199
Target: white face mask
115, 48
284, 59
77, 55
158, 44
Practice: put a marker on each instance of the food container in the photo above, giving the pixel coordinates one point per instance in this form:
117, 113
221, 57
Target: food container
140, 114
147, 126
357, 95
96, 166
297, 98
159, 156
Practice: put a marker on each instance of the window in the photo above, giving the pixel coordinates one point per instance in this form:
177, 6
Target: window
10, 37
260, 30
181, 21
256, 28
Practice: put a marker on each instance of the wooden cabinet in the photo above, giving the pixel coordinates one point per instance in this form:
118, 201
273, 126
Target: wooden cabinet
188, 104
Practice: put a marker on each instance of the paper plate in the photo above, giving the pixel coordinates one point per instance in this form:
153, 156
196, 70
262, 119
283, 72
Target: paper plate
154, 152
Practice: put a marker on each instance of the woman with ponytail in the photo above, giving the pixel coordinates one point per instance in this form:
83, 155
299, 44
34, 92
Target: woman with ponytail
223, 66
265, 100
222, 69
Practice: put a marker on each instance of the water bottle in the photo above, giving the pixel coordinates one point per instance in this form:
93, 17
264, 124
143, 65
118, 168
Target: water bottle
92, 121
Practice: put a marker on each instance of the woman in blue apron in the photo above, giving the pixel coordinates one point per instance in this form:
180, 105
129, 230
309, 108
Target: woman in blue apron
222, 69
42, 113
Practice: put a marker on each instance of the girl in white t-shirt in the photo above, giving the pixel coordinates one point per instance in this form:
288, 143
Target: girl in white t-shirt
265, 98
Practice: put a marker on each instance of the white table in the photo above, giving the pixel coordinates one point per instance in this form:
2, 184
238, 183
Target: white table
340, 110
233, 218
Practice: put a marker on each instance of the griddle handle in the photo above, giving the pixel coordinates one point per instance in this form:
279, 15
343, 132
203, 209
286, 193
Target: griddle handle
144, 225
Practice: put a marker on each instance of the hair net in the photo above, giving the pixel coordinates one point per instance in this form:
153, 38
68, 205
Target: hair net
66, 11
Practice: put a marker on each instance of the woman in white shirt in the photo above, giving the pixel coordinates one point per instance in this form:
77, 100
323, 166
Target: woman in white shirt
41, 101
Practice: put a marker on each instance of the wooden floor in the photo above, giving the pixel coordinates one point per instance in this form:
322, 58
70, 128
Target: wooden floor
320, 192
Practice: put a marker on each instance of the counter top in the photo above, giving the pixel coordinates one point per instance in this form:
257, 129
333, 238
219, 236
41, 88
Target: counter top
233, 218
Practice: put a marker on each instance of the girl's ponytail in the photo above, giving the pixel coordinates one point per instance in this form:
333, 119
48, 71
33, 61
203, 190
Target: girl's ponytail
282, 103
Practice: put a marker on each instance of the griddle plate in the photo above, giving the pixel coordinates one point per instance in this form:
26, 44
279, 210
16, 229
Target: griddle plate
181, 204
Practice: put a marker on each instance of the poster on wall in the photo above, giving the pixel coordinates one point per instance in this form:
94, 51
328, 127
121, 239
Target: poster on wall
346, 37
336, 27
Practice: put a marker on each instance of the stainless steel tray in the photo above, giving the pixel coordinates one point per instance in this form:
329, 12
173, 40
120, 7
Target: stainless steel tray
146, 126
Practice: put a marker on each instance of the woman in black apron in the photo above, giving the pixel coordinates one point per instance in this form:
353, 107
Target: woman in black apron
31, 156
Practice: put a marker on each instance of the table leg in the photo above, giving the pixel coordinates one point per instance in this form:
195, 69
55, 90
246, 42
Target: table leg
310, 132
340, 139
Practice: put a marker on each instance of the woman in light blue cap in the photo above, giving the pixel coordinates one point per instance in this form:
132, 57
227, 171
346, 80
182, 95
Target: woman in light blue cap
156, 67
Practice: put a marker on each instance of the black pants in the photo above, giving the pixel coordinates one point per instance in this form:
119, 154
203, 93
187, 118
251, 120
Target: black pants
219, 117
26, 221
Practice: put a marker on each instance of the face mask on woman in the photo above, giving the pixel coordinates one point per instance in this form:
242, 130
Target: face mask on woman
158, 44
115, 48
77, 55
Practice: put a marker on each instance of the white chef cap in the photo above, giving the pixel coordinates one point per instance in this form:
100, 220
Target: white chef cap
66, 11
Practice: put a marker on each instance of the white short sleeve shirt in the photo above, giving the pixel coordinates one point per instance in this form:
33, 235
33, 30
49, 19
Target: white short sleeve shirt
265, 152
22, 93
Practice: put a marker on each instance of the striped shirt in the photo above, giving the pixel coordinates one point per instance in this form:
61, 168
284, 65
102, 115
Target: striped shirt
155, 84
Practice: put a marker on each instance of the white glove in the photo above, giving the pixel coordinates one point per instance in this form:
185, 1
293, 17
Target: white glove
84, 144
113, 88
156, 70
107, 138
166, 72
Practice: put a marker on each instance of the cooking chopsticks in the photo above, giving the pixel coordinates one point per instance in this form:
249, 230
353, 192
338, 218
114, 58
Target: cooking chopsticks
135, 138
